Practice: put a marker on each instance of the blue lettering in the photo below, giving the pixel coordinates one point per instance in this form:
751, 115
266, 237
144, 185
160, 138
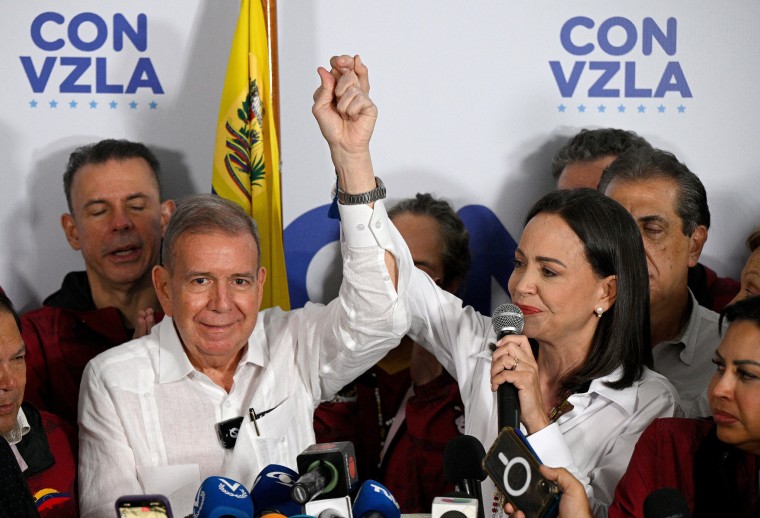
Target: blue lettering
609, 69
36, 30
101, 82
567, 85
630, 82
673, 80
604, 40
144, 67
38, 81
138, 36
100, 27
69, 85
667, 40
567, 42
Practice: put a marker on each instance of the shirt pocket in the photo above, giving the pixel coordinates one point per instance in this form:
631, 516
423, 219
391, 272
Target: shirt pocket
277, 437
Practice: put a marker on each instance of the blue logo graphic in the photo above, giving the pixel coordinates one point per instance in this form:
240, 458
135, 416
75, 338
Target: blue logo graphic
491, 246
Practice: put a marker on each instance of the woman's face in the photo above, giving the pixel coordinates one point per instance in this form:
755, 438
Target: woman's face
554, 284
735, 387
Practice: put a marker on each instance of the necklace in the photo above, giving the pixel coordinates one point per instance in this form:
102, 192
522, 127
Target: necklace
561, 406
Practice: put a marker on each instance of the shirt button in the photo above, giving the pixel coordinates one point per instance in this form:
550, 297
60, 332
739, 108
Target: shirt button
227, 404
360, 227
387, 278
378, 224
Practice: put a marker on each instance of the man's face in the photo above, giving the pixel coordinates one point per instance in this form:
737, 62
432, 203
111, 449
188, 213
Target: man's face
669, 252
12, 372
213, 292
117, 220
584, 173
423, 237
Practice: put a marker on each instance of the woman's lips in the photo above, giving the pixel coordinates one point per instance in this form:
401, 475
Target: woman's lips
528, 310
724, 418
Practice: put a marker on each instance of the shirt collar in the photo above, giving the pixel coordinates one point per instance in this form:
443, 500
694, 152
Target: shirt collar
624, 398
20, 429
688, 335
174, 363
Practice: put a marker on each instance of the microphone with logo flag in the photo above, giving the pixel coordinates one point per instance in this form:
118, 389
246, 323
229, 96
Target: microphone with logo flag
327, 470
220, 497
374, 500
271, 491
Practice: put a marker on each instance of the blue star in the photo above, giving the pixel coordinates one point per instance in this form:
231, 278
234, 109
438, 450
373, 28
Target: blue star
582, 108
661, 109
601, 108
133, 105
154, 105
113, 105
681, 109
54, 104
561, 108
73, 104
621, 109
93, 105
33, 103
642, 108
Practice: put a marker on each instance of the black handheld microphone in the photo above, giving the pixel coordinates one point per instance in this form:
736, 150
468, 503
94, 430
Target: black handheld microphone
507, 320
462, 466
666, 502
327, 470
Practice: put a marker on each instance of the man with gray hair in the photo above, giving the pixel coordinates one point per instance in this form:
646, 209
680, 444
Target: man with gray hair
219, 388
669, 203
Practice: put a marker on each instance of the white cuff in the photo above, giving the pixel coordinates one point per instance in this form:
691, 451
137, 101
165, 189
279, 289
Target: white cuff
363, 226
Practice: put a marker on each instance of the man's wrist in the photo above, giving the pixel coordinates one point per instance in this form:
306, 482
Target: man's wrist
370, 196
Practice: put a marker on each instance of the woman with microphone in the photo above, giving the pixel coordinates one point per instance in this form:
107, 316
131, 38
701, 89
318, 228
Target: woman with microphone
583, 380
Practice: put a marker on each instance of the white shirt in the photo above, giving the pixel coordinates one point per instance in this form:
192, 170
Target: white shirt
687, 359
594, 440
14, 436
147, 417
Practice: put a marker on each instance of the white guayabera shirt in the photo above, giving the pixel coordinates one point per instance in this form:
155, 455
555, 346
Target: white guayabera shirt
147, 417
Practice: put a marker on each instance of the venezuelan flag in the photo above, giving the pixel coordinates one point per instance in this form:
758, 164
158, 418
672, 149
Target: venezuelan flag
246, 156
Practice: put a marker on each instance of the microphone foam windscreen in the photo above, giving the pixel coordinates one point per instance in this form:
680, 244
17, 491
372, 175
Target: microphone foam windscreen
222, 497
508, 317
271, 490
666, 502
373, 497
462, 458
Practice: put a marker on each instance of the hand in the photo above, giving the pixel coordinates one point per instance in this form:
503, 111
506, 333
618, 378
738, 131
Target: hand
513, 362
145, 322
572, 504
346, 117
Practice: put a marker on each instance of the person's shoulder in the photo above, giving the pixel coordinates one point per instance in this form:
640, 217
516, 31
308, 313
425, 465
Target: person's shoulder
121, 360
655, 384
685, 429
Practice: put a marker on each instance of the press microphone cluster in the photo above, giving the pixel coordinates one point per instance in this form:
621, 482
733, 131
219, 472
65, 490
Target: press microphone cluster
507, 320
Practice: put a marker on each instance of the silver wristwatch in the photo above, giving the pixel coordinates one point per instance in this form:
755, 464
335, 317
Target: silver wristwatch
378, 193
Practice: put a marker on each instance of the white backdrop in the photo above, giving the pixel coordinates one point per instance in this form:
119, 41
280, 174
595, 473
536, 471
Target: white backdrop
469, 106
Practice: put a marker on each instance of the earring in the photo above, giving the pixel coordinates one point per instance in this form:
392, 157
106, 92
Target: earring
599, 312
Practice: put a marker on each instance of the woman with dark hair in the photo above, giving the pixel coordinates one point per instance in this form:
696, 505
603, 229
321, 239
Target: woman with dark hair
712, 462
582, 364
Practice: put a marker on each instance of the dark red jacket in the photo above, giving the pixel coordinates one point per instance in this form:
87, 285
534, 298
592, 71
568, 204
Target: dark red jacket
61, 337
50, 452
413, 466
686, 455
